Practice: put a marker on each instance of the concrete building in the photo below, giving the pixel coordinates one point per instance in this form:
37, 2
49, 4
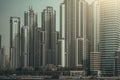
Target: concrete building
14, 42
94, 24
6, 62
25, 46
30, 20
39, 56
49, 28
2, 57
117, 63
0, 51
95, 63
42, 47
0, 41
61, 41
109, 34
61, 53
76, 37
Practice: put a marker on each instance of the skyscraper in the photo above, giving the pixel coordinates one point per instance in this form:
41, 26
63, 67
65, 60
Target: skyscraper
2, 57
30, 20
109, 34
76, 41
61, 41
49, 28
0, 41
117, 63
39, 48
6, 62
94, 21
25, 46
14, 42
0, 52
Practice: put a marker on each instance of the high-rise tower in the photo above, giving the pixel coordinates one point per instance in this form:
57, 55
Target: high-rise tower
25, 46
0, 41
109, 34
49, 28
0, 52
39, 56
76, 38
94, 25
14, 42
30, 20
62, 57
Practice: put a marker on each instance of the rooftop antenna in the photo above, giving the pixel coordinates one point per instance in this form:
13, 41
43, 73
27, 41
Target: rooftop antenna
29, 7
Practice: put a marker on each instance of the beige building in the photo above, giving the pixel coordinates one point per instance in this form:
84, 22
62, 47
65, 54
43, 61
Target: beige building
109, 34
105, 31
94, 20
76, 28
95, 62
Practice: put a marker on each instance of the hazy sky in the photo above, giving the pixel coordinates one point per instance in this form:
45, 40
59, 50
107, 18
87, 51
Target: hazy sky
17, 7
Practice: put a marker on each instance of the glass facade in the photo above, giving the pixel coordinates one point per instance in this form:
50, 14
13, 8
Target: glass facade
109, 34
14, 42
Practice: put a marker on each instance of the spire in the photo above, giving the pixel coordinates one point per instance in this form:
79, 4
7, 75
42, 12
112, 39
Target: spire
30, 8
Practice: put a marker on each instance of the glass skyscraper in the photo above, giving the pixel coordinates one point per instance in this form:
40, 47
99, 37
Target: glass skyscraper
109, 34
49, 27
94, 21
14, 42
30, 20
25, 46
61, 41
0, 41
76, 37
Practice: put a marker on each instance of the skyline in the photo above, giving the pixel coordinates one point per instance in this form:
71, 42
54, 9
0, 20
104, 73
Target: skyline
64, 33
28, 46
8, 9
